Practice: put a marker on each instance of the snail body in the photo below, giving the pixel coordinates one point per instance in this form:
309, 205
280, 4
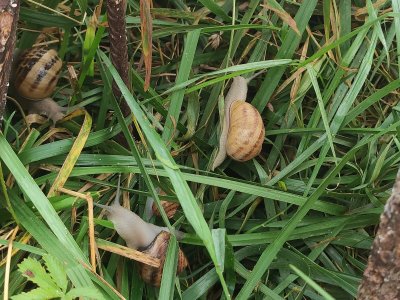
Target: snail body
144, 236
35, 77
243, 130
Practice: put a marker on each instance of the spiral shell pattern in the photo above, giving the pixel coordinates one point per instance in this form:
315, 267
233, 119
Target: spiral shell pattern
37, 73
246, 132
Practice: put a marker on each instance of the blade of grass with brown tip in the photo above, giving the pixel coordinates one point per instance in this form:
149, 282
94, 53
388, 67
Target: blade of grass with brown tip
146, 26
73, 155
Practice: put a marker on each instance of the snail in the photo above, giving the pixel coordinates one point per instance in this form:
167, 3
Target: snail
243, 130
35, 76
143, 236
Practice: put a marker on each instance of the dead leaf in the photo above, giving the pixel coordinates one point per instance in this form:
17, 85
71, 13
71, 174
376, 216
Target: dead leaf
282, 14
146, 25
364, 10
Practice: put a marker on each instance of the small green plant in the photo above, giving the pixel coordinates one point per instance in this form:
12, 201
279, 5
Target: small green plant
52, 282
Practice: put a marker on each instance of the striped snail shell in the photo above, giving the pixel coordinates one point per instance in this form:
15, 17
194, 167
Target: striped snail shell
37, 73
169, 207
243, 130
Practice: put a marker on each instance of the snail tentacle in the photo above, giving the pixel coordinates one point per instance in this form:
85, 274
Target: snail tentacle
132, 228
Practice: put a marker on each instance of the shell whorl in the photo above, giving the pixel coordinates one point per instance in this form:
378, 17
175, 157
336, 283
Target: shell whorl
37, 73
158, 249
246, 132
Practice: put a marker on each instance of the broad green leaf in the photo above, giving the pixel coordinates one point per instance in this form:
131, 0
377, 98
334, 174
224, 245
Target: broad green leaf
35, 272
57, 271
37, 294
84, 292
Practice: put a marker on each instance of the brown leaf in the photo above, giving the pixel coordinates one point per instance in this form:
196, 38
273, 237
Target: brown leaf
146, 25
282, 14
364, 10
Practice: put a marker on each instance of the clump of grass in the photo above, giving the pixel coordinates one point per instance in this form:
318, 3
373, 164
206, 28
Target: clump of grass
297, 221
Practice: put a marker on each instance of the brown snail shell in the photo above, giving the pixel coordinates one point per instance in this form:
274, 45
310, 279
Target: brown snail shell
37, 73
34, 78
158, 249
169, 207
246, 132
243, 130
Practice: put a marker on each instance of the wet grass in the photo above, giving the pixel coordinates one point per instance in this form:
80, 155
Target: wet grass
296, 222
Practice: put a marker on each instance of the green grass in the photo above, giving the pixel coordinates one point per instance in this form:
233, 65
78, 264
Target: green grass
297, 222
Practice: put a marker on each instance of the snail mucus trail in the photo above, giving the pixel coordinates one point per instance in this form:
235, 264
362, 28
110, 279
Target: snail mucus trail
146, 237
243, 129
34, 77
